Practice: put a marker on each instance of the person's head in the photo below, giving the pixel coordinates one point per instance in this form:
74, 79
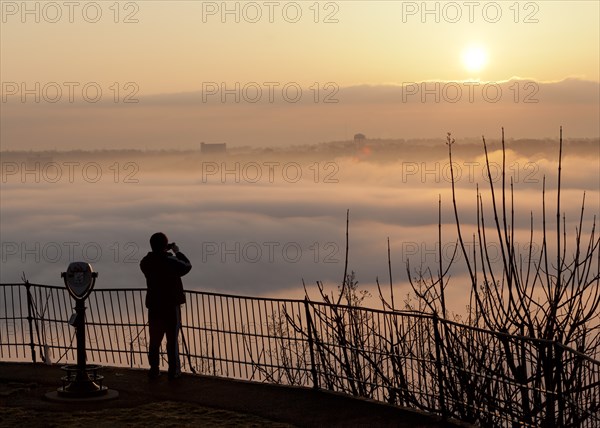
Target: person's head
159, 242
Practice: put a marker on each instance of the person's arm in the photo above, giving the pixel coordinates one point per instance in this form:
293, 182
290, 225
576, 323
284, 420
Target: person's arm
180, 262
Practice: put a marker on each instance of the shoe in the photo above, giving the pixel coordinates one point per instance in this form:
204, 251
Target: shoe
153, 374
173, 376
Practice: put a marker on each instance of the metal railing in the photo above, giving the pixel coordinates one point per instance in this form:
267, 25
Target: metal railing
410, 359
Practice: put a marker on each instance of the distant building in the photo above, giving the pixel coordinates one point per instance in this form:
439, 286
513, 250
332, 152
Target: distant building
359, 141
213, 148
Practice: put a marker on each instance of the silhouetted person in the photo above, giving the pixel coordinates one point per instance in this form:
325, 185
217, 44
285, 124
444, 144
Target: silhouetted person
163, 272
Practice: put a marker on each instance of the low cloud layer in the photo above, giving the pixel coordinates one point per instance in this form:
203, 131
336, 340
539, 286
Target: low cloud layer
265, 237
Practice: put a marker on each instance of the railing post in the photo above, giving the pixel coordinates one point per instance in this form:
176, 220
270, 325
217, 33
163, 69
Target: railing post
438, 364
30, 320
313, 368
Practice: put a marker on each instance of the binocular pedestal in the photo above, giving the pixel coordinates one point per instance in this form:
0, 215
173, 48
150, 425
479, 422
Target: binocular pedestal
82, 382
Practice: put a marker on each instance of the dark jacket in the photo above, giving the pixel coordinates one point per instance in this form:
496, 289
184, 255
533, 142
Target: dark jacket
163, 272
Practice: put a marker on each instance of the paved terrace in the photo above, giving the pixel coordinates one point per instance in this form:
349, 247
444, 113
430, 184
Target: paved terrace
191, 400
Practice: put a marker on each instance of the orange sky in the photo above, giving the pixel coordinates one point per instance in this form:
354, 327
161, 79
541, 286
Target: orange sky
174, 46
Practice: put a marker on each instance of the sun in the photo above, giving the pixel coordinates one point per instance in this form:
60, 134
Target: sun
474, 58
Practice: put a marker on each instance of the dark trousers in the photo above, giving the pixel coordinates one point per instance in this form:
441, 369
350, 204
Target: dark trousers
163, 321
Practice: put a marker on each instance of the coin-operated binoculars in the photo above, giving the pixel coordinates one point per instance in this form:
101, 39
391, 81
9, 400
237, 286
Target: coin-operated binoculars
82, 380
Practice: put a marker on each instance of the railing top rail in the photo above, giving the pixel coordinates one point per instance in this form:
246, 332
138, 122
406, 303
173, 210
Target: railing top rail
240, 296
498, 333
577, 353
209, 293
380, 311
